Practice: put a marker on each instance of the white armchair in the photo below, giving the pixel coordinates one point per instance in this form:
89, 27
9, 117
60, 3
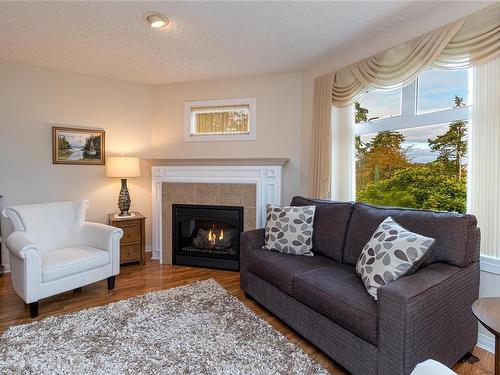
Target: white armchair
53, 250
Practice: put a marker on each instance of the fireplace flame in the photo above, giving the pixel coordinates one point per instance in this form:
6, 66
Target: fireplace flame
212, 236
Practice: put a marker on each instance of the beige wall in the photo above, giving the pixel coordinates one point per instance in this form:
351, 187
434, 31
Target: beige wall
278, 122
31, 100
139, 120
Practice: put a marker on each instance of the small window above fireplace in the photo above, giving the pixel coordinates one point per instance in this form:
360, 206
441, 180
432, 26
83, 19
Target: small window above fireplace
206, 236
220, 120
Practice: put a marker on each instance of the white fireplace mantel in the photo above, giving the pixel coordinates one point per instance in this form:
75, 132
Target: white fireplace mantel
267, 179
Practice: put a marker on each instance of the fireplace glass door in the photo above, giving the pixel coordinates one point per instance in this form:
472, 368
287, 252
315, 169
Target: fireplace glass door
207, 236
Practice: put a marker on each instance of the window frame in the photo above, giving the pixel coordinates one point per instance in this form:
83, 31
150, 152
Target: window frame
189, 118
409, 117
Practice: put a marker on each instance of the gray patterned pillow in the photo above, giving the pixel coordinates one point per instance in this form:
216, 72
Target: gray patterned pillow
391, 253
289, 229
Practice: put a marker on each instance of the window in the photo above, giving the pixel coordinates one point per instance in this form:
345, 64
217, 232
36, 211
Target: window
380, 105
220, 120
438, 88
419, 158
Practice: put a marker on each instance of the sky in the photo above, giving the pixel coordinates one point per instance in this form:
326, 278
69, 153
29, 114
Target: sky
436, 91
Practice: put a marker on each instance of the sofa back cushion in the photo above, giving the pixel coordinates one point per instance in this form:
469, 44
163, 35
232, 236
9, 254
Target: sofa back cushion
330, 225
456, 235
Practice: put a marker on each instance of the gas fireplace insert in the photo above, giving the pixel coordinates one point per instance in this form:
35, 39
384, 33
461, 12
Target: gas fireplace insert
206, 235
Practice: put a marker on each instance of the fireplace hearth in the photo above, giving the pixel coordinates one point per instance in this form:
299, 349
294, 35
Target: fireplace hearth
206, 235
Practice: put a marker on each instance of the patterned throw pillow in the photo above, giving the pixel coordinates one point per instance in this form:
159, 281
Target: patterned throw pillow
391, 253
289, 229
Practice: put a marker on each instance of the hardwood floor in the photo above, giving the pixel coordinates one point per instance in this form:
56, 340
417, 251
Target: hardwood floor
135, 279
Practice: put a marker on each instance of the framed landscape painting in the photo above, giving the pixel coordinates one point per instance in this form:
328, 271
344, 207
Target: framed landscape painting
77, 146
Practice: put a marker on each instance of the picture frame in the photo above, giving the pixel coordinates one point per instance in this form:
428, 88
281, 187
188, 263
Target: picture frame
78, 146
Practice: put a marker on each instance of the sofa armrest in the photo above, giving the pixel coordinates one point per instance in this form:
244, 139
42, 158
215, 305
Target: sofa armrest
427, 315
249, 240
19, 245
103, 237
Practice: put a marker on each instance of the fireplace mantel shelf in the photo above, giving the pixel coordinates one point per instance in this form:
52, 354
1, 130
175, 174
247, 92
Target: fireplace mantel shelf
219, 162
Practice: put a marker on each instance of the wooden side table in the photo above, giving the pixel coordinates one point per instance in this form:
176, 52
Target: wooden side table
487, 311
132, 244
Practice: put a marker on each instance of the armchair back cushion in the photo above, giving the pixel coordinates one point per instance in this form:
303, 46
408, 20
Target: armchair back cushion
456, 235
49, 225
330, 225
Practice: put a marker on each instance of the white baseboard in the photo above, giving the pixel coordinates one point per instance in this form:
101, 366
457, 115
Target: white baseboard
486, 342
489, 264
155, 255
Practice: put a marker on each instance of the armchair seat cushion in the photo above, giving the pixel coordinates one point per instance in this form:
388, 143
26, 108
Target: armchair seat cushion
339, 294
68, 261
280, 269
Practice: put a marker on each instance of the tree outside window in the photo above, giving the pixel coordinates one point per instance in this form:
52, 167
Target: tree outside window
420, 167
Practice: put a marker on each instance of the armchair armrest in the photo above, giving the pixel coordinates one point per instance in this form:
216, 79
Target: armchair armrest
24, 265
427, 315
99, 235
249, 240
103, 237
19, 245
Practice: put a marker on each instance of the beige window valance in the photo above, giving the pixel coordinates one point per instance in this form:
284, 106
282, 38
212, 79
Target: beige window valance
470, 41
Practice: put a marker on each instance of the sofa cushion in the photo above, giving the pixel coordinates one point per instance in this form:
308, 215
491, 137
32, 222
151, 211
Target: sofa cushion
280, 269
339, 294
330, 225
455, 234
391, 253
289, 229
60, 263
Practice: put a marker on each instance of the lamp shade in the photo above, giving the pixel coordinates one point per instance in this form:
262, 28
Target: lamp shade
122, 166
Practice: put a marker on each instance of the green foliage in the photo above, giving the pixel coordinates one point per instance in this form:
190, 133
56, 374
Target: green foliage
423, 186
452, 145
361, 113
386, 176
381, 157
63, 143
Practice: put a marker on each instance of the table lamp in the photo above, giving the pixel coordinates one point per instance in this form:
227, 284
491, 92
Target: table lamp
123, 167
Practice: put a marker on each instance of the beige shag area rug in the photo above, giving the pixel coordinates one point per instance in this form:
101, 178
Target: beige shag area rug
193, 329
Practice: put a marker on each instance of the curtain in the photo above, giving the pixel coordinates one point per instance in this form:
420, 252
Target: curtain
461, 44
343, 154
477, 41
484, 155
322, 136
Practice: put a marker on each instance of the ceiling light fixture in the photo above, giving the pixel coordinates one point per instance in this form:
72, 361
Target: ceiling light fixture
156, 20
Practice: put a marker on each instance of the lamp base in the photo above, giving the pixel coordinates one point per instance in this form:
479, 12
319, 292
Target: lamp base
120, 216
124, 199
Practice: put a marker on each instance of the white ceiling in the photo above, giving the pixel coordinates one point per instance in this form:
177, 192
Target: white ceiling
205, 40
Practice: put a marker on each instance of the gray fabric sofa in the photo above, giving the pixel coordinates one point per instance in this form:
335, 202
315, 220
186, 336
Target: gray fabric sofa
424, 315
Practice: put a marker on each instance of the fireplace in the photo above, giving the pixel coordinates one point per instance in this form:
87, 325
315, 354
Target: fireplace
206, 235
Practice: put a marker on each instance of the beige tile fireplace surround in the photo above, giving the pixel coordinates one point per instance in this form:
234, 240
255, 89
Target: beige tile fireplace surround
248, 183
223, 194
